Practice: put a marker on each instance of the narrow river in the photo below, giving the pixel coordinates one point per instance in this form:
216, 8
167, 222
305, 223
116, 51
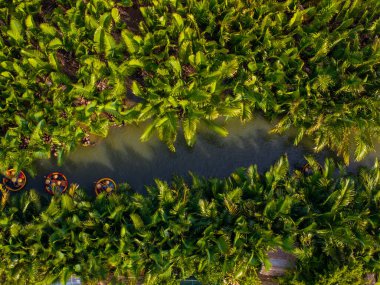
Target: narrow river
123, 157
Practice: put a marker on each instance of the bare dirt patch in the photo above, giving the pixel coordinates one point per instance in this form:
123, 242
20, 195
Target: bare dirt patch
131, 16
68, 63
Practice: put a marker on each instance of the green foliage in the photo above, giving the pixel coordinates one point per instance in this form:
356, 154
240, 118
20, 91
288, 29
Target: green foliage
70, 69
218, 230
346, 275
353, 274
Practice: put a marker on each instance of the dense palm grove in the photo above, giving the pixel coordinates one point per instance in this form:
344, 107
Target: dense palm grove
71, 69
218, 230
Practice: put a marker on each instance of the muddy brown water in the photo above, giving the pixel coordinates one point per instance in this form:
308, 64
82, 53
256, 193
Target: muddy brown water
123, 157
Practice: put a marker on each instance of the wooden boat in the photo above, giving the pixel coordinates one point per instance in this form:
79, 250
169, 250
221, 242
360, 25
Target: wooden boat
56, 182
105, 185
13, 182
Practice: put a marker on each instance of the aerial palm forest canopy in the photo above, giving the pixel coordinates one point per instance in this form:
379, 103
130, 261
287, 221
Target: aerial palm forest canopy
71, 69
217, 230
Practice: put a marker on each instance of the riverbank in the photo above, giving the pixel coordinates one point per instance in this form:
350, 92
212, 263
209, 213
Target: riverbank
71, 70
217, 230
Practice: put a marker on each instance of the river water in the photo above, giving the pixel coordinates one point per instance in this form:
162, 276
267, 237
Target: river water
123, 157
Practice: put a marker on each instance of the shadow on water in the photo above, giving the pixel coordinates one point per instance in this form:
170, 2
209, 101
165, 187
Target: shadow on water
123, 157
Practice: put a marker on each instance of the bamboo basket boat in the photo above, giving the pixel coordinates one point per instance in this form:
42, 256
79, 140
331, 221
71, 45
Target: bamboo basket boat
56, 182
13, 183
106, 184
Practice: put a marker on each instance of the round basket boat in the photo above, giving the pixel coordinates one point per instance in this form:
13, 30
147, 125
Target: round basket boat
56, 182
308, 170
105, 185
14, 182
